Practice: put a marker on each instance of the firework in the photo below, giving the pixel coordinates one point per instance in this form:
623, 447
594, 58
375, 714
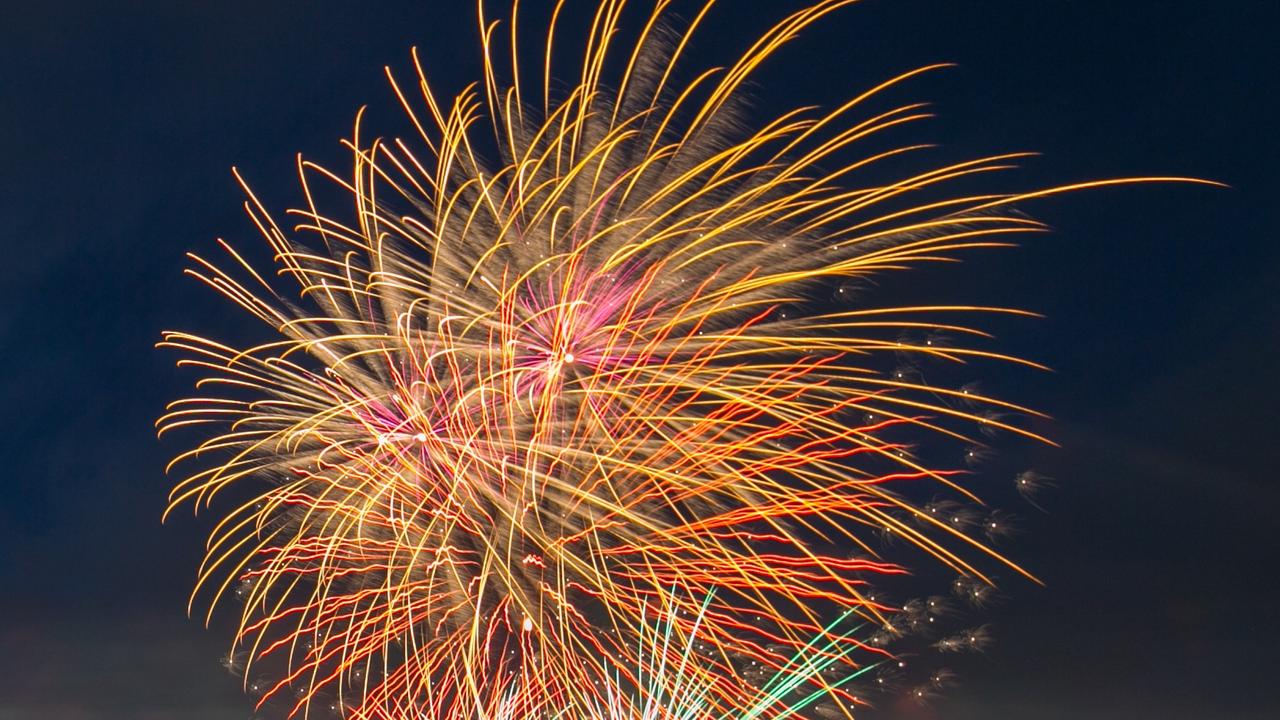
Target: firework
663, 685
511, 403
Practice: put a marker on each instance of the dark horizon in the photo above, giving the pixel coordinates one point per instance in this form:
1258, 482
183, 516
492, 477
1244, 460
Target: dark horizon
1161, 319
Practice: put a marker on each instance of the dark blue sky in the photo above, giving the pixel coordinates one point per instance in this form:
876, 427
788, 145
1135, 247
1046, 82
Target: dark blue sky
119, 125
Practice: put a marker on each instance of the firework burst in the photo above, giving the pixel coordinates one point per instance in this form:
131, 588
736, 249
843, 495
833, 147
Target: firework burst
513, 402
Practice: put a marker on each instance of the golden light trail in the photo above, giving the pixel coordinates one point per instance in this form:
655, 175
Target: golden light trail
518, 410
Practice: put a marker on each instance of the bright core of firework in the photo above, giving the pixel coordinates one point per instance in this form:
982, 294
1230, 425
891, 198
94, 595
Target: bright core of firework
513, 404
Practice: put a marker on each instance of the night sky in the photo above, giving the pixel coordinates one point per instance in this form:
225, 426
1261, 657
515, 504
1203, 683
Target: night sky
1158, 552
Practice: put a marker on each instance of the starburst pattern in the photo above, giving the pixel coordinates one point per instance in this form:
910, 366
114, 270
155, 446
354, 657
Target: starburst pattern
516, 401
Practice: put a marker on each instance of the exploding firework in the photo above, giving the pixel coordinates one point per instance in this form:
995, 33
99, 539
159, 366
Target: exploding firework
513, 402
662, 688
